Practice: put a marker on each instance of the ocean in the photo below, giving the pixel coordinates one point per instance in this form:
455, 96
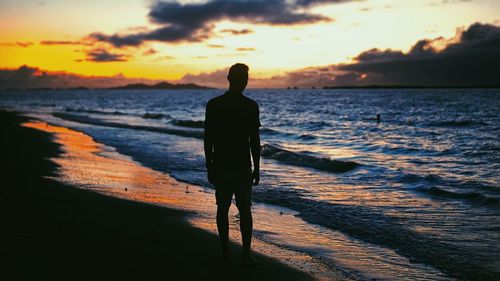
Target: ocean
414, 196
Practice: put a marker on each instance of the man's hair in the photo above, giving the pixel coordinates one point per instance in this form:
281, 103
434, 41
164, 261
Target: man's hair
238, 72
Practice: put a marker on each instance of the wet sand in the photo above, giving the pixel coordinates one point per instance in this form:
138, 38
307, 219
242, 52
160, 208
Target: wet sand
57, 231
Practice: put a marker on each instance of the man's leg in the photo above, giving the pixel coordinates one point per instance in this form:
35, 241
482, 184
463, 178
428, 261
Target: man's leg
223, 227
246, 227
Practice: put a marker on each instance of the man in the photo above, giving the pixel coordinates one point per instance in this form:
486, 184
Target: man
231, 143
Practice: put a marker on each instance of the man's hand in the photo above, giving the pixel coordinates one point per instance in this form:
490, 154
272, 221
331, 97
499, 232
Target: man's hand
211, 175
255, 177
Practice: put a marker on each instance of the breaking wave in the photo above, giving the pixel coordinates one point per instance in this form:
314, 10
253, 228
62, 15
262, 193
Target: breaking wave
189, 123
298, 159
83, 119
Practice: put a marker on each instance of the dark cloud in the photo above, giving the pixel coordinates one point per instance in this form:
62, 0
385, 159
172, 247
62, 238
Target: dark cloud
473, 60
32, 77
307, 3
194, 22
377, 55
102, 55
237, 31
118, 40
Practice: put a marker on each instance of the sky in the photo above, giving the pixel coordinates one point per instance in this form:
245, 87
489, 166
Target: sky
65, 43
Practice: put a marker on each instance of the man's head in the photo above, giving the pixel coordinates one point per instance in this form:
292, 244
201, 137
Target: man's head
238, 77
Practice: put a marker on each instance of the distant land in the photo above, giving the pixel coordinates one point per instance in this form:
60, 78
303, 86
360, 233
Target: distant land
136, 86
160, 86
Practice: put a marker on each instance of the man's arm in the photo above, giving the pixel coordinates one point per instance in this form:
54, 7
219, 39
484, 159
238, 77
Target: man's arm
208, 145
255, 149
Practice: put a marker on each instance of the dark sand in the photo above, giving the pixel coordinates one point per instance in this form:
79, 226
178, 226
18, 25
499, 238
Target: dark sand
54, 231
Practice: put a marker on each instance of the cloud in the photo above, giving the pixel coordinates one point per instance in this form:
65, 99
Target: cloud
61, 42
301, 78
32, 77
307, 3
216, 46
24, 44
118, 40
242, 49
150, 51
377, 55
443, 2
200, 57
237, 31
102, 55
16, 44
471, 58
216, 79
194, 22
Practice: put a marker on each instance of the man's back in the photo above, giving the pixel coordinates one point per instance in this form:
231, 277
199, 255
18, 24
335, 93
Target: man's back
230, 118
231, 134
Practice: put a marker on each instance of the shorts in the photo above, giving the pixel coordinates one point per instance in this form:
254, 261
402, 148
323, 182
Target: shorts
233, 181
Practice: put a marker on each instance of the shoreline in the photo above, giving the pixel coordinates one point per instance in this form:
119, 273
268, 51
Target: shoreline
58, 231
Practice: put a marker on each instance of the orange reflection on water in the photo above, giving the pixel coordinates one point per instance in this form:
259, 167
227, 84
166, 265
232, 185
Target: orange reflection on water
86, 162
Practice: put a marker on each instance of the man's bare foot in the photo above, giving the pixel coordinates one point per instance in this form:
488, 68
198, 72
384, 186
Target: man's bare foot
248, 261
223, 259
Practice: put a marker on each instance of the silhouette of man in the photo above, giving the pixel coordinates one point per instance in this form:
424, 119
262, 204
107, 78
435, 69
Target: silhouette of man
232, 141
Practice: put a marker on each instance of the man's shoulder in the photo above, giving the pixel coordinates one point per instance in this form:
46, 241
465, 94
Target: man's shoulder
225, 98
251, 102
215, 100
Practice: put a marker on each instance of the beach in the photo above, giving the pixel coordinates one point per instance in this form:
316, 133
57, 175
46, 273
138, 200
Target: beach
55, 231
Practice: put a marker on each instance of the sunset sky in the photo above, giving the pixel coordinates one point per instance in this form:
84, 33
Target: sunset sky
179, 40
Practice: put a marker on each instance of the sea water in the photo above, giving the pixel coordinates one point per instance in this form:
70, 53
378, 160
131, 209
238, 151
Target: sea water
414, 196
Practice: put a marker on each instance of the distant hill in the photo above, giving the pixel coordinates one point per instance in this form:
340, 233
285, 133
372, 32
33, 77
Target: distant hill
160, 86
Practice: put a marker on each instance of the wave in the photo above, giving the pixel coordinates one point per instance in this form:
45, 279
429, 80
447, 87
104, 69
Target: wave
268, 131
146, 115
82, 110
87, 120
372, 225
303, 160
189, 123
274, 132
307, 137
412, 178
429, 185
155, 116
456, 123
472, 197
316, 125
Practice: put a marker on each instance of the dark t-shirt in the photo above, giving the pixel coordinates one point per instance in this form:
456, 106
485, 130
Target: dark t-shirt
229, 120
